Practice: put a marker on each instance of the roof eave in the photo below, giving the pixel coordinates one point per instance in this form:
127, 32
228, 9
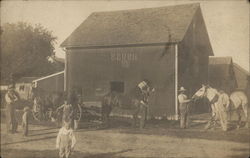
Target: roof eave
118, 45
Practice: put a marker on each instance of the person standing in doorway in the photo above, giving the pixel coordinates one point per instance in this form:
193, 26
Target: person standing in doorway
183, 108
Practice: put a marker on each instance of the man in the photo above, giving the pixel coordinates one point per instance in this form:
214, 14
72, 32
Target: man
10, 98
223, 106
183, 108
141, 101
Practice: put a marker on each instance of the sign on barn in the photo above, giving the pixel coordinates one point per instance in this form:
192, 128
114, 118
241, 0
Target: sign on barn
124, 58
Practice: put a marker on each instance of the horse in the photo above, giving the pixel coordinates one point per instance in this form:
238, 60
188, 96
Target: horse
133, 98
238, 101
109, 101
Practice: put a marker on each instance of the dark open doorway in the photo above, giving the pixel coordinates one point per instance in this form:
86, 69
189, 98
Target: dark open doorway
117, 86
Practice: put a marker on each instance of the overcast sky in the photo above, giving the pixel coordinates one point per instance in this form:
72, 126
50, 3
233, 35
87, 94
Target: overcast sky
227, 21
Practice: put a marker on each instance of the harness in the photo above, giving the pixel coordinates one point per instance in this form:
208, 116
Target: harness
215, 99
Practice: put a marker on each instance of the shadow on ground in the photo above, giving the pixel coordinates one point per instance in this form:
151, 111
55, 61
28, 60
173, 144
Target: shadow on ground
171, 128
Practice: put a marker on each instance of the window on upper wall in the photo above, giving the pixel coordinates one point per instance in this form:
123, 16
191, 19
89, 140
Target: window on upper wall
117, 86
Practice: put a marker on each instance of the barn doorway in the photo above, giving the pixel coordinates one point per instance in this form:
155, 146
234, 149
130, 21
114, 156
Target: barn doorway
117, 86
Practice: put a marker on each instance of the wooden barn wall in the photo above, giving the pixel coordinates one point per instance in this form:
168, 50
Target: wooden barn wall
92, 70
193, 57
52, 84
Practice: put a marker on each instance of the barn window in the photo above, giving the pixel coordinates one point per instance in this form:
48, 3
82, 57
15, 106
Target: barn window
117, 86
21, 88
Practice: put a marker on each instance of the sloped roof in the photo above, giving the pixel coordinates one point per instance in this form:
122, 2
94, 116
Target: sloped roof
49, 76
220, 60
138, 26
26, 79
241, 69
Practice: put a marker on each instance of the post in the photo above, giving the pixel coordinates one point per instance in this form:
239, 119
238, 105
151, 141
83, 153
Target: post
176, 82
65, 72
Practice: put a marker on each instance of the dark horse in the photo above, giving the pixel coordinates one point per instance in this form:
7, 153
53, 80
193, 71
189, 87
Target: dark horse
137, 97
109, 101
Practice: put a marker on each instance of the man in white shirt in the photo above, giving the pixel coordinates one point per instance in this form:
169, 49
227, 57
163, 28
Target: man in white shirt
183, 108
223, 106
10, 98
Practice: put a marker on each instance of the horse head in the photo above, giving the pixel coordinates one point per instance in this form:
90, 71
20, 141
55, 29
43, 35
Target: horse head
201, 92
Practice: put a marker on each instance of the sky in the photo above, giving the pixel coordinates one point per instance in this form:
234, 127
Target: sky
227, 22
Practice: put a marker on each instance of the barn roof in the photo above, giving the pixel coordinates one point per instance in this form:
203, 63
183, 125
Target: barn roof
138, 26
220, 60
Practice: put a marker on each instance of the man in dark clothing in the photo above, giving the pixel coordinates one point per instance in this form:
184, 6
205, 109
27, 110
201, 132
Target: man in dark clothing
140, 101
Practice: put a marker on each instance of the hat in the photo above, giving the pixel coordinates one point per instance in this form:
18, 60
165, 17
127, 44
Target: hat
182, 89
142, 84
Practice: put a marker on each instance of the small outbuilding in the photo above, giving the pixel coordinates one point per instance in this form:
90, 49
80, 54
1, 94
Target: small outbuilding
24, 86
115, 50
221, 74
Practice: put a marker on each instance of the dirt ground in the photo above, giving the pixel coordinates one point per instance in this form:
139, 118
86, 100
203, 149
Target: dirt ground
160, 139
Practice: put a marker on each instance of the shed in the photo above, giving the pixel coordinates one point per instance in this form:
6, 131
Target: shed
51, 83
169, 46
242, 76
24, 86
243, 79
221, 74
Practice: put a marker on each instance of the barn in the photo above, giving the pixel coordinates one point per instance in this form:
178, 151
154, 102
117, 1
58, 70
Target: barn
115, 50
243, 79
221, 73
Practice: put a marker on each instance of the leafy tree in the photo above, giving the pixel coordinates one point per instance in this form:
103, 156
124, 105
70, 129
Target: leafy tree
24, 51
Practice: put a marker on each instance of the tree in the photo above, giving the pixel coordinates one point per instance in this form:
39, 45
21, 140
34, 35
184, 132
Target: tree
24, 51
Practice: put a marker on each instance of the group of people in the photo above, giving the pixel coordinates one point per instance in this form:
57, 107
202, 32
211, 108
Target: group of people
219, 107
65, 140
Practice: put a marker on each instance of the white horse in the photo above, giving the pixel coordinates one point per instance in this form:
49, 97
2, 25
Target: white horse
238, 100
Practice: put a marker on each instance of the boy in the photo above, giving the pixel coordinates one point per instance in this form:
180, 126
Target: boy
65, 140
67, 111
25, 121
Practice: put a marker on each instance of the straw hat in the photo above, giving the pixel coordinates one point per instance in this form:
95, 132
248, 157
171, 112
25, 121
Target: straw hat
182, 89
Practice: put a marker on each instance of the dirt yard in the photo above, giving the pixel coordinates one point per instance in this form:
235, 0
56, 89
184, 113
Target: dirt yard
160, 139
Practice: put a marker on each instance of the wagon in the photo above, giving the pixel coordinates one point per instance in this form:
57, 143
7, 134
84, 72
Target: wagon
52, 114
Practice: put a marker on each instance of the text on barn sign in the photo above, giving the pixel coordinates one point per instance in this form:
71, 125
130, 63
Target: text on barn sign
124, 58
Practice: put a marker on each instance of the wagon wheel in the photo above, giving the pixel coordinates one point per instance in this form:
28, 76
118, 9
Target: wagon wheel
78, 112
36, 113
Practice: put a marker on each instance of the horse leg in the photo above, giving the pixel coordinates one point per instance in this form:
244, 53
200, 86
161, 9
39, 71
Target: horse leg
244, 107
239, 119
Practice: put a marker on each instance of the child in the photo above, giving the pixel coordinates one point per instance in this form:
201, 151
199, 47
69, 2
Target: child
65, 140
67, 111
25, 121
